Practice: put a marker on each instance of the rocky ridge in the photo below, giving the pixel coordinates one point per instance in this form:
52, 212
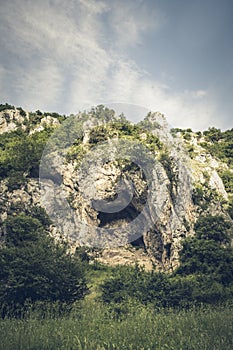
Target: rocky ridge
172, 207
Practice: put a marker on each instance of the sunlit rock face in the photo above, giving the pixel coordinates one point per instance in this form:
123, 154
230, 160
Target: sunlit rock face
116, 185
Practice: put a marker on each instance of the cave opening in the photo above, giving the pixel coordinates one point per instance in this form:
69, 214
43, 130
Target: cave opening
127, 214
138, 243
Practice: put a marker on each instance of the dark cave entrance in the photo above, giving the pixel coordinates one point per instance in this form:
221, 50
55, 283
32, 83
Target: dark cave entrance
138, 243
127, 214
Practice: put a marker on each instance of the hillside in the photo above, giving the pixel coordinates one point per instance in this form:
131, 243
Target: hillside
186, 175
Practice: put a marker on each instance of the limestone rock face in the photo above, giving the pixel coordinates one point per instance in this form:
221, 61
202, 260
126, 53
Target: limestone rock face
18, 200
10, 120
97, 196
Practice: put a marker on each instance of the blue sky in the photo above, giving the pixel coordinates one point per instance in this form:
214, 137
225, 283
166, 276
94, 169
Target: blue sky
172, 56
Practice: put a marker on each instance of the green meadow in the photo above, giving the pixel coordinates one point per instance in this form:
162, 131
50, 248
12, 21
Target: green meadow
91, 325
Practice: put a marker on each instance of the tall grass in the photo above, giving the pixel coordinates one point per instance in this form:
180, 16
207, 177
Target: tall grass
94, 326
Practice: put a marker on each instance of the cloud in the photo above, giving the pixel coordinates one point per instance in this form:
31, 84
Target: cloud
95, 7
200, 93
33, 86
182, 109
57, 56
46, 43
131, 19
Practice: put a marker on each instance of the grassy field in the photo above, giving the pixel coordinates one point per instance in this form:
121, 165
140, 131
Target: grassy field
93, 326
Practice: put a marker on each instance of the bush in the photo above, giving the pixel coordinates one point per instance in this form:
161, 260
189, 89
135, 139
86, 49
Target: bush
219, 144
230, 208
213, 134
36, 268
20, 154
22, 112
205, 274
98, 134
213, 228
5, 106
209, 252
227, 178
15, 180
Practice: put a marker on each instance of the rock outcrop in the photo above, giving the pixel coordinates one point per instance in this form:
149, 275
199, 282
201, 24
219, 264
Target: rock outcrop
109, 184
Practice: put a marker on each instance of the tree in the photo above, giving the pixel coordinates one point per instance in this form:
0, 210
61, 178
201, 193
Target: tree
20, 154
34, 267
213, 227
209, 252
213, 134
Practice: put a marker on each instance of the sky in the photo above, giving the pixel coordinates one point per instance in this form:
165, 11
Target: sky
172, 56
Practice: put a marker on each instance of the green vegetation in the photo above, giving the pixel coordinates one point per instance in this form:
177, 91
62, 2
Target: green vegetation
186, 133
103, 113
21, 112
205, 274
76, 152
169, 165
34, 267
59, 117
20, 155
209, 258
147, 124
52, 299
35, 117
203, 195
124, 130
5, 106
230, 207
94, 326
219, 144
227, 178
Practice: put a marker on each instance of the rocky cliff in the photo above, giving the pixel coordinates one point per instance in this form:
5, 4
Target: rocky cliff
131, 191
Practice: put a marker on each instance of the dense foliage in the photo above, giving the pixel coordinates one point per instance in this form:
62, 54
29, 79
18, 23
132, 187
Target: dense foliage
36, 268
20, 155
204, 276
219, 144
5, 106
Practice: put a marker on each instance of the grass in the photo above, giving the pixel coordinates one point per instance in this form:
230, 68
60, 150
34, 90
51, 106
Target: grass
94, 326
96, 275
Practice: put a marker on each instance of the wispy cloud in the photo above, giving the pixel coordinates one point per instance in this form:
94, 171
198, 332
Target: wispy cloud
58, 56
131, 19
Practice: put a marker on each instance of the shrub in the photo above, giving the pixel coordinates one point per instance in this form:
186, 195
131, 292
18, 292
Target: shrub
205, 274
213, 228
5, 106
15, 180
227, 178
22, 112
36, 268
